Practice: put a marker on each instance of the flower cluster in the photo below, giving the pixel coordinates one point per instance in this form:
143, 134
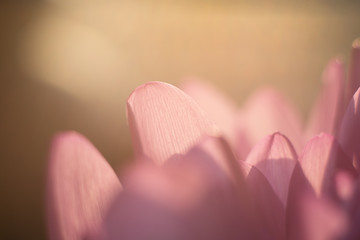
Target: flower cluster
204, 169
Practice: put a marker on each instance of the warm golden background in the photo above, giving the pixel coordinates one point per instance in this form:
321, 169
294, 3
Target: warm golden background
71, 65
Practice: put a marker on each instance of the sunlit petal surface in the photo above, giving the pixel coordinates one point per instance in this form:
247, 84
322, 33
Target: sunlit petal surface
318, 161
81, 186
165, 121
275, 157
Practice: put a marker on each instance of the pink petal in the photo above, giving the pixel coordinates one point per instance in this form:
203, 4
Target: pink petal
219, 108
267, 111
261, 202
134, 216
189, 197
164, 121
266, 202
322, 220
220, 151
207, 164
242, 144
223, 112
349, 133
252, 193
173, 188
81, 185
353, 208
275, 157
327, 109
309, 217
344, 185
318, 161
354, 71
298, 188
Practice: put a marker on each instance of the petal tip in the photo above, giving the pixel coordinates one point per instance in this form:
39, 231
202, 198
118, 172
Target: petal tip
356, 95
280, 137
277, 135
336, 63
149, 86
356, 43
61, 139
321, 137
158, 114
324, 135
67, 135
339, 60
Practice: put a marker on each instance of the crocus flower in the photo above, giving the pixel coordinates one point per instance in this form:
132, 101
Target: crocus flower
189, 179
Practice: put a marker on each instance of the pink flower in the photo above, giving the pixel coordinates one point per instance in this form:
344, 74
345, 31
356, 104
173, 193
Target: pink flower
187, 183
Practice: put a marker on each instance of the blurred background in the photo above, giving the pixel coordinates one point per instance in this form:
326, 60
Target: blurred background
70, 65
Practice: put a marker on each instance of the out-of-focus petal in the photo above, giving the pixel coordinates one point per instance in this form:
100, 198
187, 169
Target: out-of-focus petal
349, 133
266, 202
354, 71
327, 109
133, 216
275, 157
298, 188
81, 186
226, 195
246, 191
309, 217
219, 108
220, 151
164, 121
242, 144
208, 163
267, 111
189, 197
354, 211
322, 220
318, 161
344, 185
